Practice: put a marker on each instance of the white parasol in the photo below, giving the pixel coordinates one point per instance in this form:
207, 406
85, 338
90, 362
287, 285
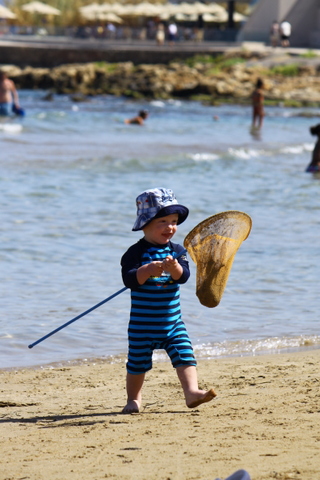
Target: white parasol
6, 13
221, 17
40, 8
116, 8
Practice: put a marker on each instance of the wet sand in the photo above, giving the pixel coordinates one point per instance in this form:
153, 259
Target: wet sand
65, 423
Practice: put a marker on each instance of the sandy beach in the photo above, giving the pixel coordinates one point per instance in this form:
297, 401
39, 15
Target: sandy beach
65, 422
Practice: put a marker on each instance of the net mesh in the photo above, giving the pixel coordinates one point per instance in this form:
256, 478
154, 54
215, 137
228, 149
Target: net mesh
212, 245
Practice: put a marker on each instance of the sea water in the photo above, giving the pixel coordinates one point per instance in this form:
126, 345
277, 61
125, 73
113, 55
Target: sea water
70, 173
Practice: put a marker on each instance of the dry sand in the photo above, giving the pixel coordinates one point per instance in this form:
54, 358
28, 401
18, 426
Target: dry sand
65, 423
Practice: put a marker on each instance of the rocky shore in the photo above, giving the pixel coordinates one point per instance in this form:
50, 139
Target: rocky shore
227, 78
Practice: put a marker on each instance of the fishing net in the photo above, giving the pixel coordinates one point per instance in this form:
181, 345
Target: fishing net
212, 245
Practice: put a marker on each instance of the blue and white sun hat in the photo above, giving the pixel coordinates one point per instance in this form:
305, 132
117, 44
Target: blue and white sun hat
156, 203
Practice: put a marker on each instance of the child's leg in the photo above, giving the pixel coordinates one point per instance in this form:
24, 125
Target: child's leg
134, 388
189, 381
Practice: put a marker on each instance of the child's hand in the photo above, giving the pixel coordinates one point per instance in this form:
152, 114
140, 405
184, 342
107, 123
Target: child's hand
169, 263
155, 269
172, 266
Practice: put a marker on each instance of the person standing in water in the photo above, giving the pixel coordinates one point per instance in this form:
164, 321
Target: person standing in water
314, 165
8, 95
257, 105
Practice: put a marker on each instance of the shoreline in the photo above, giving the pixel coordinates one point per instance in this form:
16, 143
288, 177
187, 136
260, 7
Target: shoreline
121, 358
66, 422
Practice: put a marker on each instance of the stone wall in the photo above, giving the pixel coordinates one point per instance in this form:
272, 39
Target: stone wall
176, 79
52, 55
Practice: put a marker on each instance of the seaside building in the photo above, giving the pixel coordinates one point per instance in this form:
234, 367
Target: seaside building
303, 15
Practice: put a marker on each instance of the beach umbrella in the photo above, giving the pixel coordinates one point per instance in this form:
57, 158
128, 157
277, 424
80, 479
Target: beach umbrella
91, 12
110, 17
40, 8
90, 9
6, 13
186, 8
94, 11
213, 8
183, 17
116, 8
104, 16
223, 17
170, 10
144, 9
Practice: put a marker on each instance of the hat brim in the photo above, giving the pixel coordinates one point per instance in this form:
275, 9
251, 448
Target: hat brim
181, 210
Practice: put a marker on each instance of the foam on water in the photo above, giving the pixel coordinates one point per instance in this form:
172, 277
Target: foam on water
158, 103
297, 149
243, 153
249, 347
11, 128
200, 157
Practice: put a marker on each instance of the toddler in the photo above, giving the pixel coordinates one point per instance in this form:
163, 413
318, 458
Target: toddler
153, 268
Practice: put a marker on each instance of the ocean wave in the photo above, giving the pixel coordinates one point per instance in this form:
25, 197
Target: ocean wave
158, 103
11, 128
208, 351
245, 153
203, 157
297, 149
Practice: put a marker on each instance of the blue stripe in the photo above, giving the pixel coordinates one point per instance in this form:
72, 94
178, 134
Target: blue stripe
148, 319
156, 334
160, 302
141, 326
170, 302
155, 312
149, 288
150, 329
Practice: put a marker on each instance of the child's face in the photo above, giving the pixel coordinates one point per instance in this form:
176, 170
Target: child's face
160, 230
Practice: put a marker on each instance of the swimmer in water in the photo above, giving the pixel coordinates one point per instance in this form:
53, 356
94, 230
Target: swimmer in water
139, 119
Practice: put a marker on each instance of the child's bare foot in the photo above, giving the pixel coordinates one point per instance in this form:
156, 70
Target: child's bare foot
131, 407
202, 398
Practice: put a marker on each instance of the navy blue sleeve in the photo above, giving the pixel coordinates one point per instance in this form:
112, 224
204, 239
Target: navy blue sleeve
183, 262
130, 262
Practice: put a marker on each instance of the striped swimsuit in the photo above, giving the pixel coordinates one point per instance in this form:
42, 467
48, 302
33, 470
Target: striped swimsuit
155, 317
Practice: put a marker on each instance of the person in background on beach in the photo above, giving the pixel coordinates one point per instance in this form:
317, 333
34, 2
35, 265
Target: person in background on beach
153, 273
160, 34
257, 105
139, 119
8, 95
314, 165
199, 30
285, 31
274, 34
172, 32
